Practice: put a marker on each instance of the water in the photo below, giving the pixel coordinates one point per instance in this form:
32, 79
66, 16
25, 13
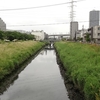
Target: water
40, 80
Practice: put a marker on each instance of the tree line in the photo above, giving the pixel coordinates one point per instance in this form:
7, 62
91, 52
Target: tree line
12, 35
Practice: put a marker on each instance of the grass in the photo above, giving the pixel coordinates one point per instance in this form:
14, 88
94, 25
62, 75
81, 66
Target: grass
13, 54
82, 62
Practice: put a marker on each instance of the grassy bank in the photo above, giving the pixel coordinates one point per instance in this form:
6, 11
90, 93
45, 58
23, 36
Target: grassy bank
13, 54
82, 62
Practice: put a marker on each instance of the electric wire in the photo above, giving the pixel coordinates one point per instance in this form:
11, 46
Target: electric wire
59, 4
50, 24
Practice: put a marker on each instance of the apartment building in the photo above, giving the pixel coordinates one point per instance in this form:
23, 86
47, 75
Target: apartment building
94, 18
2, 25
95, 34
39, 35
73, 29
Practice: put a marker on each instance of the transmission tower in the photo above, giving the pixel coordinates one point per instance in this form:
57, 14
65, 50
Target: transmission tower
72, 11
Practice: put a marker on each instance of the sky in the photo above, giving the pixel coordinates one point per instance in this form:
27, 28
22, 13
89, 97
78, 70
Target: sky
32, 18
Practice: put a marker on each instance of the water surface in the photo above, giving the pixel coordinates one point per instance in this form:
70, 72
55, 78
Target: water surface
40, 80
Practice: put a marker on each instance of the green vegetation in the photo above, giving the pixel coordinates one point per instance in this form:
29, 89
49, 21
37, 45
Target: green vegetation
11, 35
13, 54
87, 37
82, 62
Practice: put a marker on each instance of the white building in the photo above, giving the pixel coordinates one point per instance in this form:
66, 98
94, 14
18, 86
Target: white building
78, 34
94, 18
2, 25
39, 35
73, 29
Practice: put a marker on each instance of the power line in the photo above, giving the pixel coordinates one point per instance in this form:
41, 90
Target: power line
38, 24
35, 7
45, 24
38, 6
50, 24
72, 9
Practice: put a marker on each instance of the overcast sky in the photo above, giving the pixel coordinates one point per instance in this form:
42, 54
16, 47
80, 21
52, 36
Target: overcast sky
46, 15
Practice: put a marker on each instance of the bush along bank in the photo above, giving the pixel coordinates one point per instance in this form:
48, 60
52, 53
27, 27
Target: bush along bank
13, 54
14, 36
83, 66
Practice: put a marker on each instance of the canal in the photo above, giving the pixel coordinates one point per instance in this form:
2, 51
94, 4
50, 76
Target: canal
40, 80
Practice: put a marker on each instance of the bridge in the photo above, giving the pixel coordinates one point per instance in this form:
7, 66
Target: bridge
59, 35
56, 37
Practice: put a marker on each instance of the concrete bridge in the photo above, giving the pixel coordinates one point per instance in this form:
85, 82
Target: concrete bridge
57, 37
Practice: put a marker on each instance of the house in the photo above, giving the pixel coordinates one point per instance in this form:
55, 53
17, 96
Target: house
80, 34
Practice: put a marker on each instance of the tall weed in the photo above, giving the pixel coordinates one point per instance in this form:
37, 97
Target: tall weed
14, 53
82, 62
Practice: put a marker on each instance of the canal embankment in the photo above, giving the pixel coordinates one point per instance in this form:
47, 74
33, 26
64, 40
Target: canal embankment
13, 54
80, 66
9, 79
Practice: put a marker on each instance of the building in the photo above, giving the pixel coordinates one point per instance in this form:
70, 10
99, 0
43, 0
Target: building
95, 34
39, 35
2, 25
46, 36
81, 33
78, 34
73, 29
94, 18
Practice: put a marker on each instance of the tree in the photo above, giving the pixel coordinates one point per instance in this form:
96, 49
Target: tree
11, 35
87, 37
1, 35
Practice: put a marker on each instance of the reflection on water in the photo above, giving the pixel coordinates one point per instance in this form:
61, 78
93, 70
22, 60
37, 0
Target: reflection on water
10, 79
40, 80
